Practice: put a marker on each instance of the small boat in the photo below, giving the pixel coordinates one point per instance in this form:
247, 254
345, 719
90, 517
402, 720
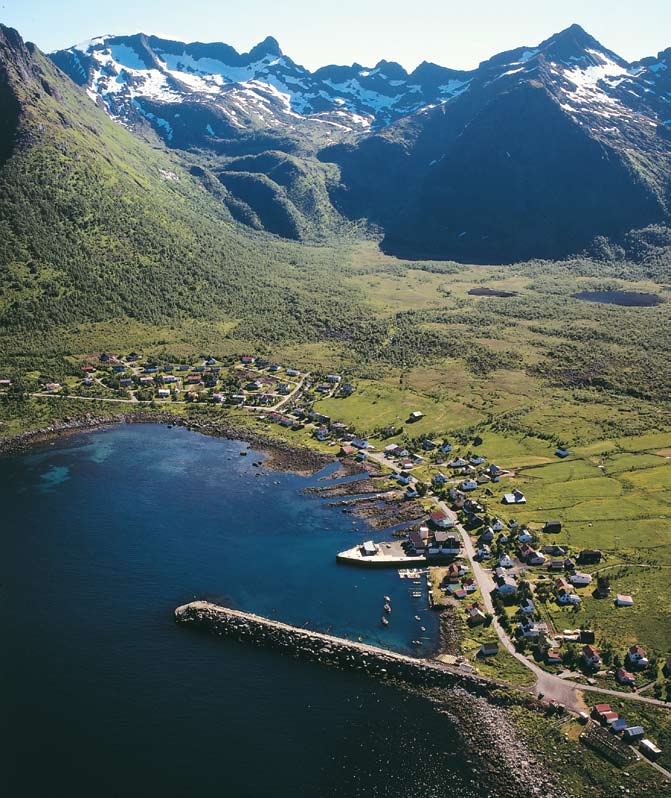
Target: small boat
387, 599
422, 628
385, 622
417, 618
387, 607
417, 594
417, 643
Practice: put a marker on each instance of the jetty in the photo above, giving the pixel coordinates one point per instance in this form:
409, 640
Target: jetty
328, 649
390, 554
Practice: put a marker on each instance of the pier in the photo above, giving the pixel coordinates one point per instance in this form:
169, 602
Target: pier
328, 649
389, 554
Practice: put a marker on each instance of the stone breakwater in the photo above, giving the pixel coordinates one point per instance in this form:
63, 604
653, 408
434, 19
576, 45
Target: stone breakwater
475, 706
327, 649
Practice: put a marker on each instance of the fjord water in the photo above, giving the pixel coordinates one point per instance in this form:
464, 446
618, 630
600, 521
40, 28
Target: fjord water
103, 534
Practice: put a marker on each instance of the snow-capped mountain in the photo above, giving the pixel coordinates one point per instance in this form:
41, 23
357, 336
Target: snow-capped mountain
135, 76
132, 74
534, 153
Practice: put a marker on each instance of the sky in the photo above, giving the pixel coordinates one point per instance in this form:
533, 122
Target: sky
454, 34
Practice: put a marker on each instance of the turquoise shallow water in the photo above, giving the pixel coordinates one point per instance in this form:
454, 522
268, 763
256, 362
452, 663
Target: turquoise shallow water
103, 534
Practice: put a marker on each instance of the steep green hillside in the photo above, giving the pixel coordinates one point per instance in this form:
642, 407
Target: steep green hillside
96, 224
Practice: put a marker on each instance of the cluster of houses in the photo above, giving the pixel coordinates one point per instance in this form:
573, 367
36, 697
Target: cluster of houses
630, 733
262, 382
636, 659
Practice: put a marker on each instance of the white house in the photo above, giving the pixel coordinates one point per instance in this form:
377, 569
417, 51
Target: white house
516, 497
458, 462
505, 561
636, 657
497, 525
568, 599
525, 536
468, 484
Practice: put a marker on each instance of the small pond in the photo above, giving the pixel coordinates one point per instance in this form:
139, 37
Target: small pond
631, 299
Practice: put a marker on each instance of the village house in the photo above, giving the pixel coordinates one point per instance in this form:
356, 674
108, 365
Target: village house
553, 657
483, 552
488, 649
163, 393
566, 598
247, 360
650, 750
347, 389
623, 600
487, 535
497, 525
561, 452
293, 373
475, 614
624, 677
552, 527
451, 546
532, 630
591, 658
428, 445
600, 711
589, 557
446, 448
416, 415
525, 536
322, 434
458, 462
439, 479
505, 585
579, 579
516, 497
126, 382
637, 658
527, 607
452, 575
505, 561
476, 460
468, 484
441, 519
633, 733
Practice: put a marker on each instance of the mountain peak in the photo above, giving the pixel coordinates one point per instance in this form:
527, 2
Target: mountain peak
575, 43
269, 46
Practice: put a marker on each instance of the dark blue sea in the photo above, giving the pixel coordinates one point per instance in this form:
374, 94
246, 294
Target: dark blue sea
103, 534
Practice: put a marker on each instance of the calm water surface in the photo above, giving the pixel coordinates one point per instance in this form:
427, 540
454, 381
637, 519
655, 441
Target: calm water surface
632, 299
103, 534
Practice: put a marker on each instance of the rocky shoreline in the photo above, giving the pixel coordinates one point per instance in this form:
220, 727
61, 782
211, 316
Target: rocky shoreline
280, 456
503, 762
